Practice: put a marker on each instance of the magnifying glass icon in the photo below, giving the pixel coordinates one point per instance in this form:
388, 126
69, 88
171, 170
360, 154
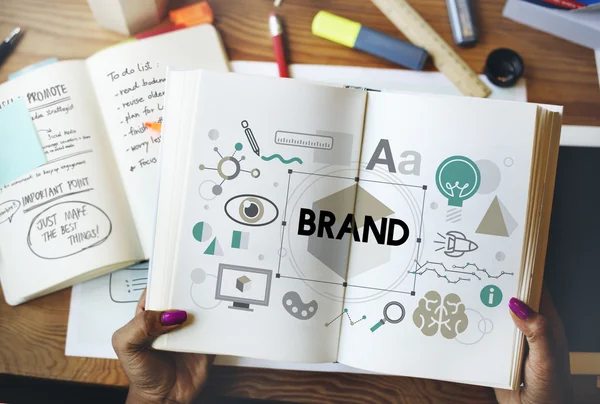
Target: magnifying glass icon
387, 319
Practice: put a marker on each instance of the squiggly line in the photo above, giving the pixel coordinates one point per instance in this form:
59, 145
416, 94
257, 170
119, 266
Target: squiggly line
284, 161
438, 275
481, 270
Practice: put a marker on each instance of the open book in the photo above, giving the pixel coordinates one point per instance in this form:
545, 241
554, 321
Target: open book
384, 231
90, 208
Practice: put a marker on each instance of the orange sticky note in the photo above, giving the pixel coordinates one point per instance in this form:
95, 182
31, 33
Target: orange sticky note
196, 14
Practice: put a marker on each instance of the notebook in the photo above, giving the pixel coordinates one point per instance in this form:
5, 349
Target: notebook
384, 231
89, 210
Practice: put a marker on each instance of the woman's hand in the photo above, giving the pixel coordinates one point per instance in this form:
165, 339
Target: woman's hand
547, 377
158, 376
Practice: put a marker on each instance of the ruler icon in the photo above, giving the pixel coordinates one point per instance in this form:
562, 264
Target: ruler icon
303, 140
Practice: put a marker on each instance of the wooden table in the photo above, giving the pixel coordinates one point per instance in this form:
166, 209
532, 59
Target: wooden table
32, 336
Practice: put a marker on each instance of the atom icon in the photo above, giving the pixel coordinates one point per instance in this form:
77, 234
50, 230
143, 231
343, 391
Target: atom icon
229, 168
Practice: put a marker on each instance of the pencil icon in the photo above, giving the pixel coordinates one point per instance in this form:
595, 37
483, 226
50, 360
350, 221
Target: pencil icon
251, 138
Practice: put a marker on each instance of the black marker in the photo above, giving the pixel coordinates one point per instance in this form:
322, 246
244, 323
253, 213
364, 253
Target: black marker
9, 43
462, 20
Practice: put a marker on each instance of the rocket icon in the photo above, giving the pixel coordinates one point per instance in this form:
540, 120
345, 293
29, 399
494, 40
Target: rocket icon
456, 244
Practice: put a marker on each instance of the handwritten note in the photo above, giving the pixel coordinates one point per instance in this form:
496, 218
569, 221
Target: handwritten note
68, 215
139, 90
130, 81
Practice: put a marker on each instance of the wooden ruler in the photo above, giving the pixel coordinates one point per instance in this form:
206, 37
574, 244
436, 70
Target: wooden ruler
419, 32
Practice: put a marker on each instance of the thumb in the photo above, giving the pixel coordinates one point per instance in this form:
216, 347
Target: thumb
144, 328
538, 332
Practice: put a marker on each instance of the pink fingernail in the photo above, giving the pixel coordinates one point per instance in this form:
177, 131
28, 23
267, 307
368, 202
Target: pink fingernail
173, 317
522, 310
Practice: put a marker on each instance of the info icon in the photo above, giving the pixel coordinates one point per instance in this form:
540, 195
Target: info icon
491, 296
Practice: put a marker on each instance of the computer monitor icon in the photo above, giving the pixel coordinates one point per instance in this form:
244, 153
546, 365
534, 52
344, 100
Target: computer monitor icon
243, 286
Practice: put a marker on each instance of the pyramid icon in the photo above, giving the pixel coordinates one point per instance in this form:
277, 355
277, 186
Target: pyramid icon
214, 248
497, 221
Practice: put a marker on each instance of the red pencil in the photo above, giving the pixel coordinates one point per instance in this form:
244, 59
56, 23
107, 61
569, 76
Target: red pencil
571, 4
277, 34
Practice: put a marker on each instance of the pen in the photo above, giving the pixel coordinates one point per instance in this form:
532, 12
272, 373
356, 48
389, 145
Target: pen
9, 43
277, 34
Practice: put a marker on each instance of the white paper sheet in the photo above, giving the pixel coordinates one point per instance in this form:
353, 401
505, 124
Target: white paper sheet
94, 316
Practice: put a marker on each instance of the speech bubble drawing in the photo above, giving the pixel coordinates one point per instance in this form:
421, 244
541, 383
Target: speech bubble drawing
68, 228
8, 210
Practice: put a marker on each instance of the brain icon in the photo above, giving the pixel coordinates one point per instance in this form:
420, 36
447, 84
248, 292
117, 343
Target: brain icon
447, 316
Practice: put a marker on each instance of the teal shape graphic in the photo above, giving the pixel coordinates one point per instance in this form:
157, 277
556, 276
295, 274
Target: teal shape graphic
491, 296
458, 179
214, 248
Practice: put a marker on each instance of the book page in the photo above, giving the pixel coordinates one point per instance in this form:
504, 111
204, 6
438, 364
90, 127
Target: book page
130, 83
437, 254
69, 216
267, 156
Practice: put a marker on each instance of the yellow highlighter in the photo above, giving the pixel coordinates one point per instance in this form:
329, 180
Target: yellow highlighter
354, 35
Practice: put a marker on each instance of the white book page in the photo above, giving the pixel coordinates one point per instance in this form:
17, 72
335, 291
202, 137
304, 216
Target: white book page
238, 245
72, 216
445, 286
130, 82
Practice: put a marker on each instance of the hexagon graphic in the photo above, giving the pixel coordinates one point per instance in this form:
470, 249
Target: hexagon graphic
334, 253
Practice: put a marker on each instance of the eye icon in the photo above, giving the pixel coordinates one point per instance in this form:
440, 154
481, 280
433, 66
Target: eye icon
251, 210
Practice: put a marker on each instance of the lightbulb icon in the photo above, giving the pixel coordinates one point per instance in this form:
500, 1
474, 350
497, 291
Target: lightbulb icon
458, 179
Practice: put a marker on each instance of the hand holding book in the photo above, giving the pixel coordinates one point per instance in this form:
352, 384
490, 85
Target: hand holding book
546, 374
158, 377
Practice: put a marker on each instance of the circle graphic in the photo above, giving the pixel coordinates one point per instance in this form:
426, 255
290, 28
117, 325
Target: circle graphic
434, 205
473, 335
255, 173
229, 168
394, 320
213, 134
206, 207
198, 275
217, 190
202, 231
508, 162
490, 176
275, 184
206, 190
238, 146
500, 256
491, 296
251, 210
261, 257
